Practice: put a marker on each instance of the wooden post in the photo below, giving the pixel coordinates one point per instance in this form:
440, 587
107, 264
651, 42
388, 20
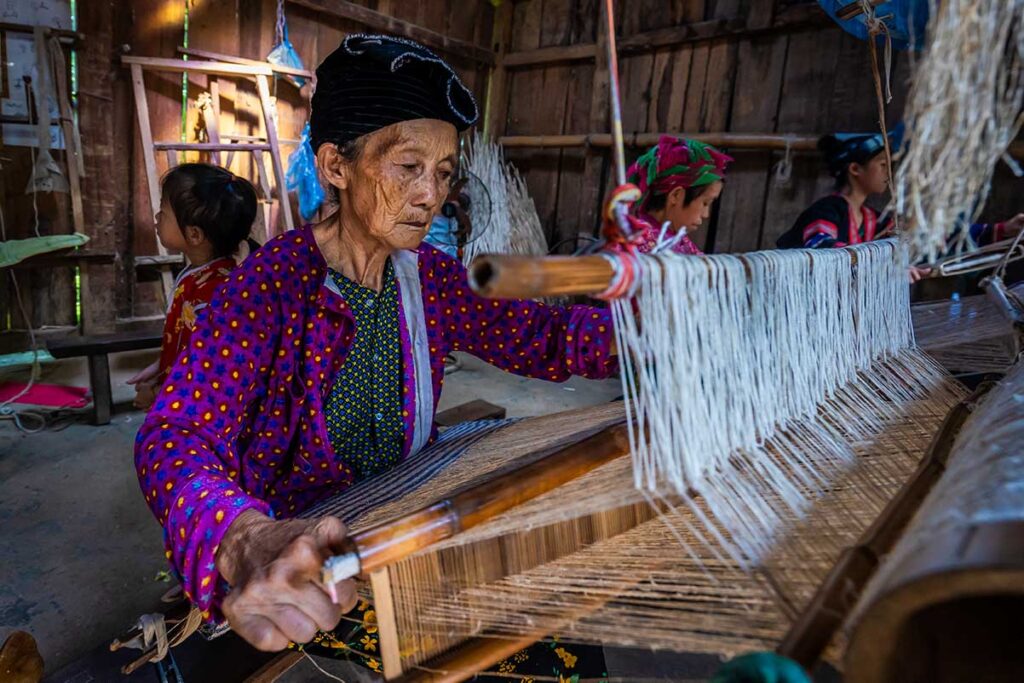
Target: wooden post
104, 109
102, 395
213, 121
275, 150
149, 158
496, 113
595, 164
387, 623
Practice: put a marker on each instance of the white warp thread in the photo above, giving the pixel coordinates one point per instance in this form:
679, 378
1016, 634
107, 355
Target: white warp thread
732, 358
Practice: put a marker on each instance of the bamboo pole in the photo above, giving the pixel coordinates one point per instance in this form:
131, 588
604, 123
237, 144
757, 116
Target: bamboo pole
759, 141
390, 542
797, 142
499, 276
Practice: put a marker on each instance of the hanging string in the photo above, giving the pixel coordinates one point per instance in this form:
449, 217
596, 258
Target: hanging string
876, 26
279, 27
784, 169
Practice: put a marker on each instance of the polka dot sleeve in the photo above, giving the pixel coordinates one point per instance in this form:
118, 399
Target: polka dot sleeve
524, 337
186, 452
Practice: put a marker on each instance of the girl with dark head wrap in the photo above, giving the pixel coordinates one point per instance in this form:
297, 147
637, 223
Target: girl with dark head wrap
858, 164
320, 362
679, 180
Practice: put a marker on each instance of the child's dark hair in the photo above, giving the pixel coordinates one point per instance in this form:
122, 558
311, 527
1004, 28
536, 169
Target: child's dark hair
214, 200
656, 202
841, 153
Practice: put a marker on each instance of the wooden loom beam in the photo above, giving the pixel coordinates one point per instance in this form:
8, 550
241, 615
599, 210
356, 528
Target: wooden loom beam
390, 542
814, 629
499, 276
342, 9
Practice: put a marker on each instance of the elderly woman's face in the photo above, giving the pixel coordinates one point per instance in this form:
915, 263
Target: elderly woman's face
401, 178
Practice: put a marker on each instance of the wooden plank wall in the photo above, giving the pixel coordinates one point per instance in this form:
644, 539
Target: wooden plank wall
246, 28
782, 68
47, 294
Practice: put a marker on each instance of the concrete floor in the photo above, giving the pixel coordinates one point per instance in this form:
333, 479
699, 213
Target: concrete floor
81, 555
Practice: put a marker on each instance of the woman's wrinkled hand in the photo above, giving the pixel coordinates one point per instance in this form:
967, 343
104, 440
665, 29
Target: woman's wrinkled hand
273, 568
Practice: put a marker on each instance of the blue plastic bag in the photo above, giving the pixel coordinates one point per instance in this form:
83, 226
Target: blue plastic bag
302, 178
284, 54
907, 20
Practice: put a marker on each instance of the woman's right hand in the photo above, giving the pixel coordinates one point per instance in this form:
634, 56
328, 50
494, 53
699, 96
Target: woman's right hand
273, 568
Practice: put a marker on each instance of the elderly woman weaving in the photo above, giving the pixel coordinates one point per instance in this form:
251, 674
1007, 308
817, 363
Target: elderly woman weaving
320, 362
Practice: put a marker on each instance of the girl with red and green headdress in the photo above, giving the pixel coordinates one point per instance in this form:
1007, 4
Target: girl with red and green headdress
679, 180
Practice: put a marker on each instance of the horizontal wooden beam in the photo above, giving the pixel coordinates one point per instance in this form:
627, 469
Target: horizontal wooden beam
342, 9
232, 59
182, 65
550, 55
213, 146
65, 36
672, 36
679, 35
159, 261
766, 141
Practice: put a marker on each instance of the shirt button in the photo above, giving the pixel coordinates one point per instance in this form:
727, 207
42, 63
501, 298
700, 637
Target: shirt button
369, 303
376, 358
380, 416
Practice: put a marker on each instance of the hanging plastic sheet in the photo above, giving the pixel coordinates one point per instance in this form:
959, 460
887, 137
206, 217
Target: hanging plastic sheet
284, 53
905, 19
302, 177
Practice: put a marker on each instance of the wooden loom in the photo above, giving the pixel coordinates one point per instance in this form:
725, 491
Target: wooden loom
471, 568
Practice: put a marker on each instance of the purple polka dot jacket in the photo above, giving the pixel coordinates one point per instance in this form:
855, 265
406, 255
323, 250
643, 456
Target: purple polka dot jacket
239, 423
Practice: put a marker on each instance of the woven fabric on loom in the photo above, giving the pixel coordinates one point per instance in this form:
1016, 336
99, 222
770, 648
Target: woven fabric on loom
967, 335
601, 560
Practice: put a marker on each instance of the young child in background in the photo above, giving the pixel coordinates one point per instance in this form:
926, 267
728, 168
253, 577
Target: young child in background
680, 179
206, 213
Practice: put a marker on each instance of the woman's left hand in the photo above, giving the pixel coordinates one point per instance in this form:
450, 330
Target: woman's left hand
1013, 226
918, 273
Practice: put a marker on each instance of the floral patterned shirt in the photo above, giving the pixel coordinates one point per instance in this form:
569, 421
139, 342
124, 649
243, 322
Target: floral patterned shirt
193, 290
649, 238
239, 423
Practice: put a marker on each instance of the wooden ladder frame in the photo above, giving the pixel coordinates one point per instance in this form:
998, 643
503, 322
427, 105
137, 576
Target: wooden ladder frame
214, 69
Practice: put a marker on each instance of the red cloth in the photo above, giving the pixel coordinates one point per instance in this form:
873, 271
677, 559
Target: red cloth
49, 395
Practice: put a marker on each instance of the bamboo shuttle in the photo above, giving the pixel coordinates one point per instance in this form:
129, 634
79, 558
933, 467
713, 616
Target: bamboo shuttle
499, 276
387, 543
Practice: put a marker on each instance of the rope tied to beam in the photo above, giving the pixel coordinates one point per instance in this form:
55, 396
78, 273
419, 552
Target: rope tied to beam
876, 26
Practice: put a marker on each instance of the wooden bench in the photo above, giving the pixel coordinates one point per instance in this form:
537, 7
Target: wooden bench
96, 349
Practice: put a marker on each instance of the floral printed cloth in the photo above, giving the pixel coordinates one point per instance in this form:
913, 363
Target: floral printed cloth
193, 289
356, 638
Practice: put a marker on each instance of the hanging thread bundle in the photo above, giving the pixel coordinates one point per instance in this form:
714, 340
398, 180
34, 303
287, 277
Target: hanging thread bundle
966, 105
513, 226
